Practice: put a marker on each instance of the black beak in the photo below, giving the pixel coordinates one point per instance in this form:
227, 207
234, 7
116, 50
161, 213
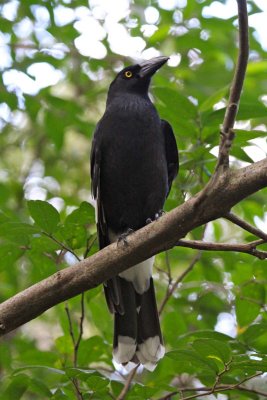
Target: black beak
148, 68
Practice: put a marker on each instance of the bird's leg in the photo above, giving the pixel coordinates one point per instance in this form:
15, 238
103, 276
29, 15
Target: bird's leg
123, 236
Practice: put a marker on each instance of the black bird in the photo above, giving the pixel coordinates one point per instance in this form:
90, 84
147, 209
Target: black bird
134, 159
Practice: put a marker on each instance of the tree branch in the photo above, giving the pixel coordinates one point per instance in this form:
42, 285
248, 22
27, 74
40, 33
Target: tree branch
128, 383
216, 389
249, 248
229, 189
227, 134
245, 225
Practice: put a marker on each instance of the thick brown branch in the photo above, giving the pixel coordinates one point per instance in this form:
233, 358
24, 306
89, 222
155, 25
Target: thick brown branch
249, 248
229, 189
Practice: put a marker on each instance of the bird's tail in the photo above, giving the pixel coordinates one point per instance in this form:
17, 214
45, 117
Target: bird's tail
137, 334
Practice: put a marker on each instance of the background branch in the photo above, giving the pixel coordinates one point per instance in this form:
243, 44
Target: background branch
216, 389
249, 248
245, 225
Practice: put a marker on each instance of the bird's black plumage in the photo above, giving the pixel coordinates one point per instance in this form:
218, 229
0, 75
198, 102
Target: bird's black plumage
134, 160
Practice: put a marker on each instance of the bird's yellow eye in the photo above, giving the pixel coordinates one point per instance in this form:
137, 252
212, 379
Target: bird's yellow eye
128, 74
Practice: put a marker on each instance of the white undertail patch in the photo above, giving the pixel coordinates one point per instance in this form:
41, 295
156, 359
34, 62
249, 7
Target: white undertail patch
150, 352
139, 274
125, 350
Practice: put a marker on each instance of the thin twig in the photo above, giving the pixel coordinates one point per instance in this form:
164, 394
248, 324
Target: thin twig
89, 245
248, 248
220, 388
179, 280
78, 341
74, 381
70, 323
128, 382
245, 225
78, 393
169, 271
62, 245
172, 287
227, 134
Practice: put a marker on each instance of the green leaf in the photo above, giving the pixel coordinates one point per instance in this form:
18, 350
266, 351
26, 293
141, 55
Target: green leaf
213, 99
196, 360
16, 388
255, 336
97, 383
242, 136
44, 215
44, 367
82, 215
208, 334
141, 392
213, 349
240, 154
37, 386
75, 228
17, 232
116, 387
74, 235
176, 102
9, 254
94, 349
64, 344
246, 111
249, 302
250, 364
60, 395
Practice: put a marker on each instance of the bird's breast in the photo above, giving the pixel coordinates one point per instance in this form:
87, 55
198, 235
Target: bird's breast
133, 168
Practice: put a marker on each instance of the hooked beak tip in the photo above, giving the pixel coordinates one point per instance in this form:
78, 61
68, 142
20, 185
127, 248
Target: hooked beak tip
149, 67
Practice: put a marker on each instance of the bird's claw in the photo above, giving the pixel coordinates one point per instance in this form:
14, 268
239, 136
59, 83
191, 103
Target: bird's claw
123, 236
159, 214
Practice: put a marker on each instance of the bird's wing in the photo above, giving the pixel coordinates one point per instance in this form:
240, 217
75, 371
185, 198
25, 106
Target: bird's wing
171, 149
95, 189
111, 287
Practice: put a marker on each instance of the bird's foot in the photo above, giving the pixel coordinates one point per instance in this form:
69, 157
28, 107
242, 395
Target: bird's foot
159, 214
123, 236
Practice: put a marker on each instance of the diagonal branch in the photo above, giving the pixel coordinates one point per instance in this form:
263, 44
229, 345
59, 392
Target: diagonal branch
128, 383
230, 188
227, 134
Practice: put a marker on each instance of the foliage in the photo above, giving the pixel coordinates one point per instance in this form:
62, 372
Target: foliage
47, 221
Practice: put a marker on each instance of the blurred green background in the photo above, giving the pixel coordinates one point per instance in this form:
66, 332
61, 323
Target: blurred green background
57, 60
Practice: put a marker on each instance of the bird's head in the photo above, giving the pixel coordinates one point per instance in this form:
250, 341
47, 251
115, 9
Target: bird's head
136, 78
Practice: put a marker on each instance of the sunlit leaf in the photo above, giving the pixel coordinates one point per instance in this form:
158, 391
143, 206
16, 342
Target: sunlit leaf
44, 215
